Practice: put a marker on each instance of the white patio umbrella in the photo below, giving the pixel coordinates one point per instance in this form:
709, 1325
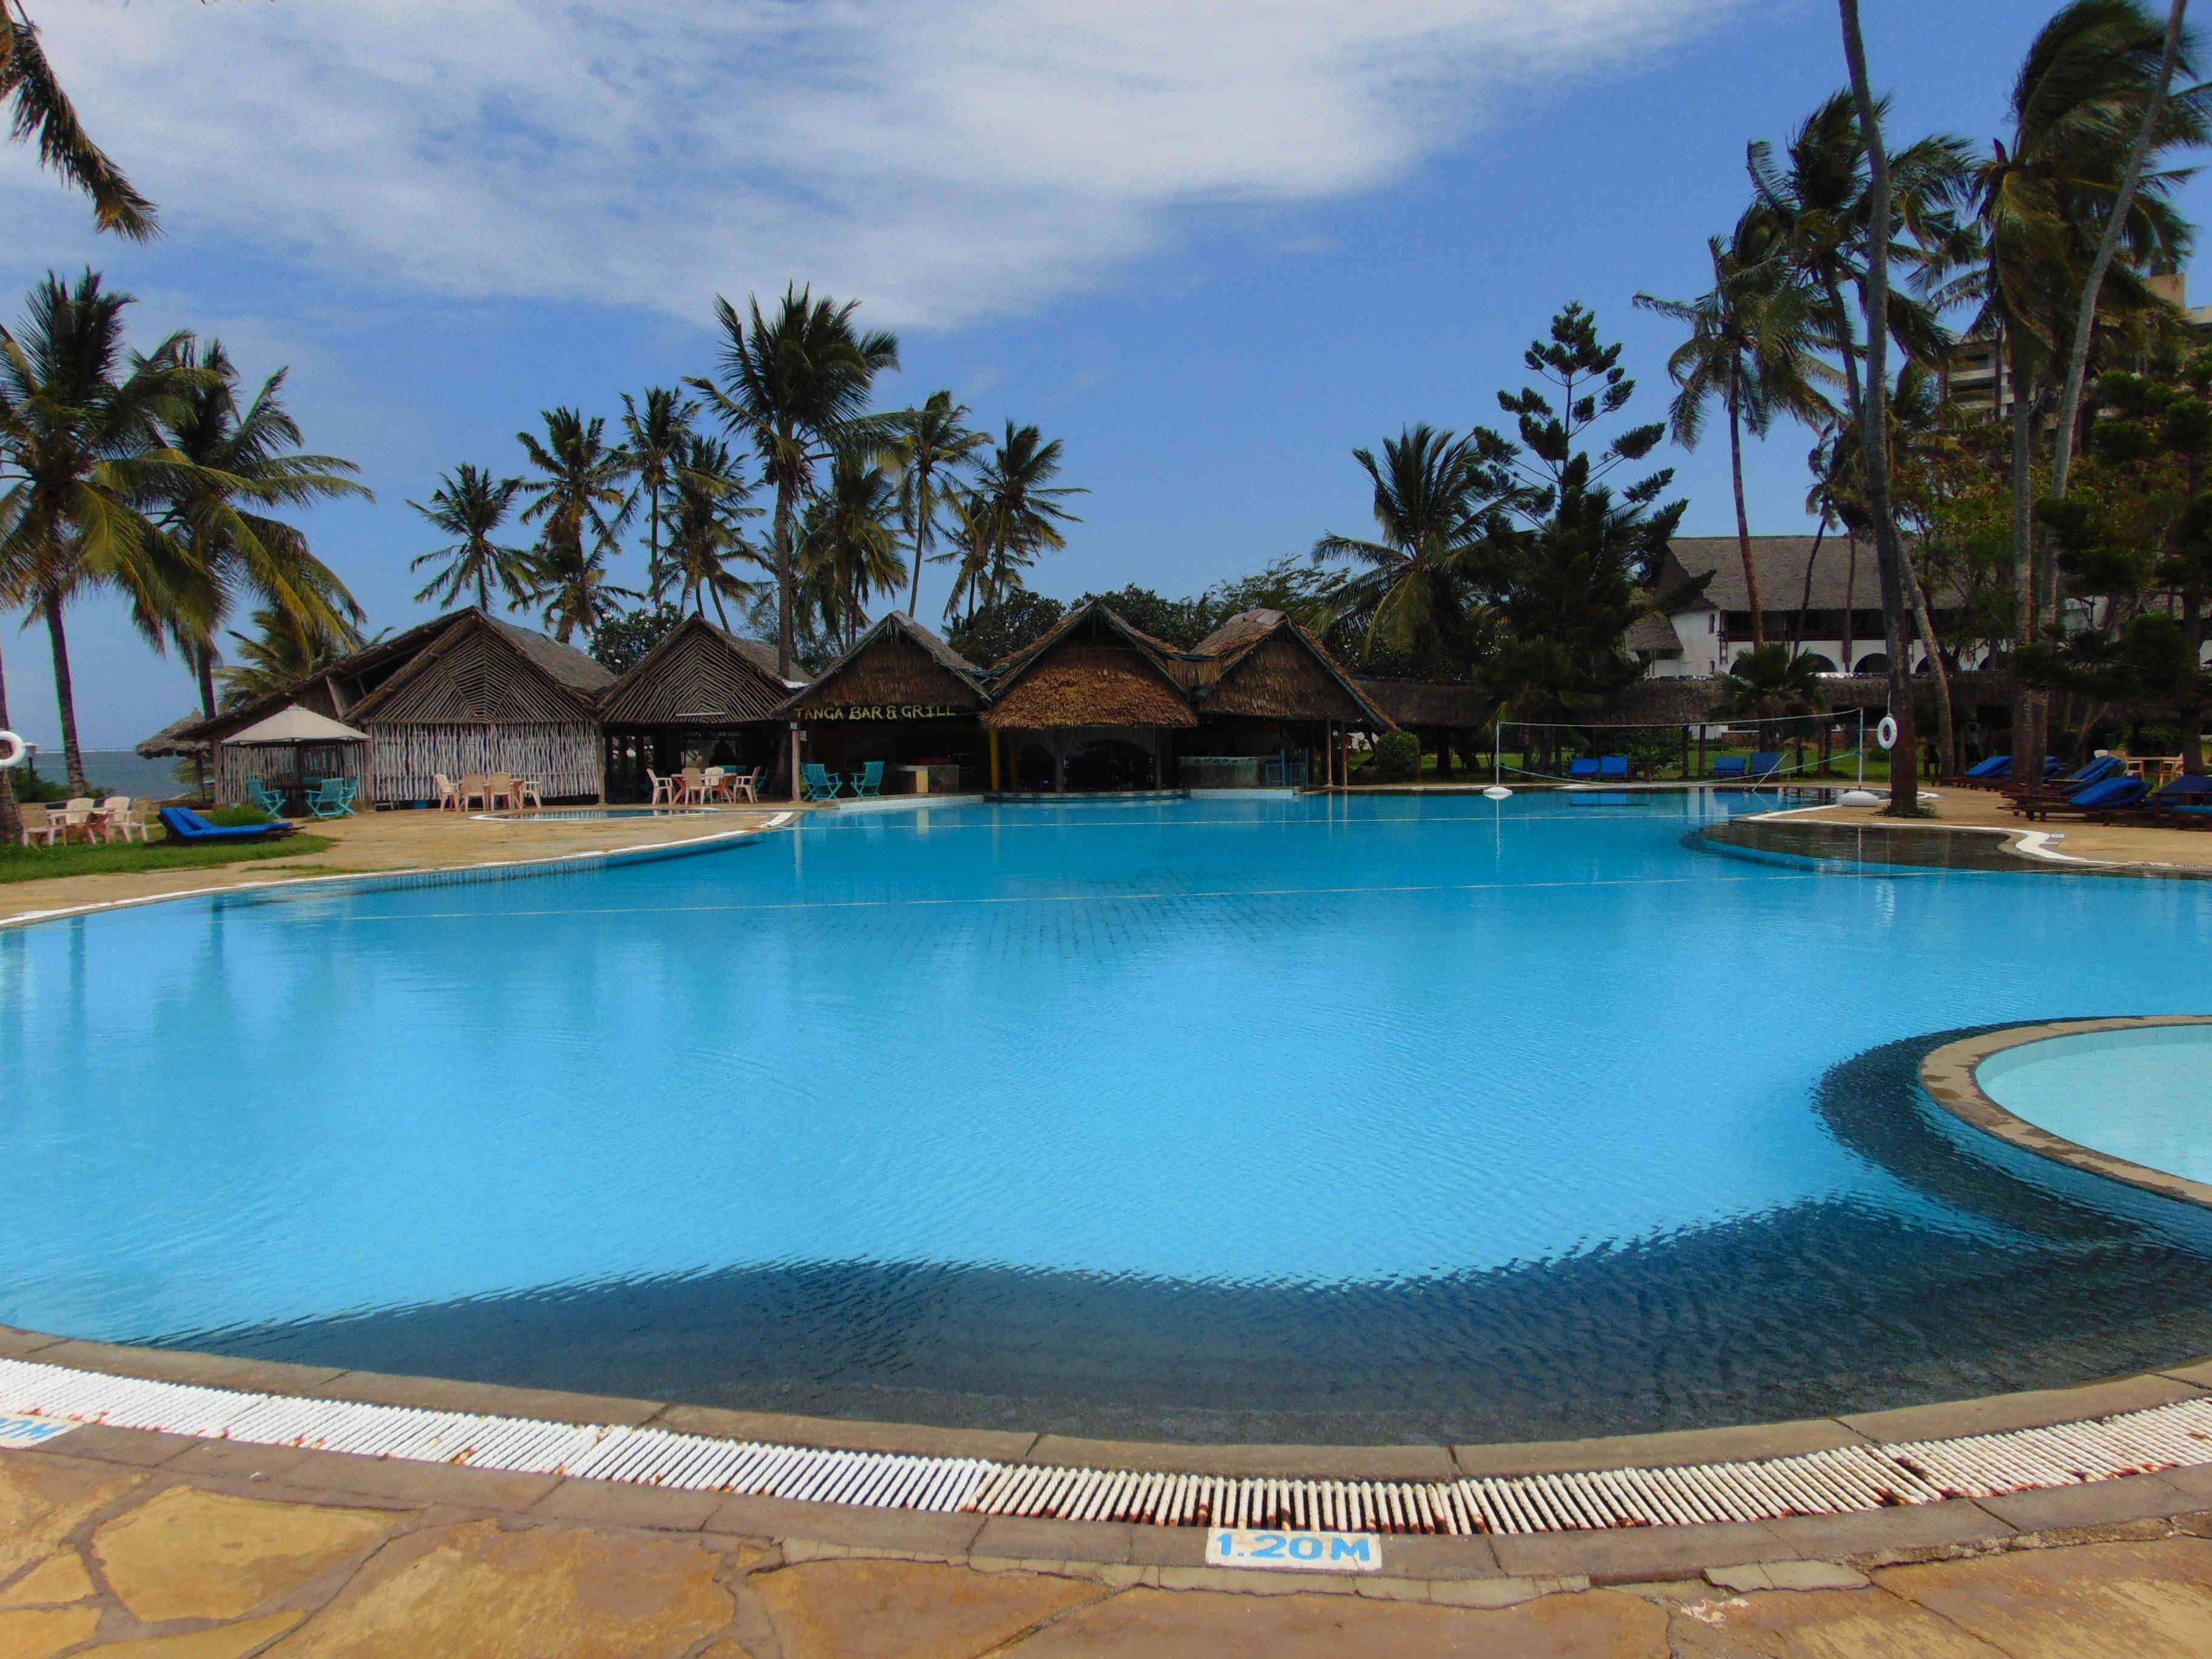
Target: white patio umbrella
297, 724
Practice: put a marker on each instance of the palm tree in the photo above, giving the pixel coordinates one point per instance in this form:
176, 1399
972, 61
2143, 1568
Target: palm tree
657, 436
704, 534
285, 651
470, 505
42, 112
571, 582
931, 442
1022, 506
1752, 346
578, 484
247, 456
969, 541
1438, 505
81, 447
1767, 683
851, 546
794, 389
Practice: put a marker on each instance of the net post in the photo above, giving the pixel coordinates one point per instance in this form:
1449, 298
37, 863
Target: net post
1862, 745
1496, 753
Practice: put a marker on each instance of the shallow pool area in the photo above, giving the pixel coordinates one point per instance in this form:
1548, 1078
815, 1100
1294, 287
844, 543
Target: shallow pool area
1383, 1119
2144, 1096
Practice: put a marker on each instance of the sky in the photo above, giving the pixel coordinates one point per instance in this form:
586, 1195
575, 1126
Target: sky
1212, 245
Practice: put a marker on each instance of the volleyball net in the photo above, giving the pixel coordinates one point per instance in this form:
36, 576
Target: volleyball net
1778, 748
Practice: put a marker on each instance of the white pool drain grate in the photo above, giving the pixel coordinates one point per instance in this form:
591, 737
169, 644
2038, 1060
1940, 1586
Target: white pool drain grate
1833, 1482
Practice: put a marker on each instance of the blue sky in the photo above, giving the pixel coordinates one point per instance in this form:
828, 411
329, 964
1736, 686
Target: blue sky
1212, 247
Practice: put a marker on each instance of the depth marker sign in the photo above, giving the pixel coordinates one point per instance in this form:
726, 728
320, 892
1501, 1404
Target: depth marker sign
1311, 1552
29, 1430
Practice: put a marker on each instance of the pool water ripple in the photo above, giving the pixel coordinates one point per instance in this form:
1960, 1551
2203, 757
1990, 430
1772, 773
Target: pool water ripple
1288, 1118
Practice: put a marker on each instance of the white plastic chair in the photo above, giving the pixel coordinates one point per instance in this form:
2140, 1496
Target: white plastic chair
501, 789
39, 821
663, 789
747, 783
141, 820
474, 787
76, 815
109, 821
449, 794
526, 792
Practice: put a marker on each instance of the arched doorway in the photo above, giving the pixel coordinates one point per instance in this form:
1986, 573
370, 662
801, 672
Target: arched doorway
1111, 765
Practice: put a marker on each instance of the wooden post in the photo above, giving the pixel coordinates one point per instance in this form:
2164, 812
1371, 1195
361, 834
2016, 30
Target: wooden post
794, 762
991, 740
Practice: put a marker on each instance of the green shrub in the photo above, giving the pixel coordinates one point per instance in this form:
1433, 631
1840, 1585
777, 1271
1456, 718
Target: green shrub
237, 818
1398, 757
2150, 738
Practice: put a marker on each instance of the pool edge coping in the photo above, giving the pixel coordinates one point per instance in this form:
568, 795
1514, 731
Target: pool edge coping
1949, 1076
417, 875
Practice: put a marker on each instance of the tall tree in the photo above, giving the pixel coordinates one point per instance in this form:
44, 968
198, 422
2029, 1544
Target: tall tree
82, 457
655, 437
705, 535
850, 549
284, 650
1438, 503
796, 388
931, 442
1022, 506
1873, 423
42, 112
1752, 348
570, 581
470, 505
246, 457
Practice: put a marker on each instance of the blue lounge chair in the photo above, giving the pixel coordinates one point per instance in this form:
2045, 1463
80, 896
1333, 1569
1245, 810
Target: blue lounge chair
2186, 799
2097, 771
1613, 766
2105, 796
817, 782
1995, 767
333, 797
187, 826
1765, 763
270, 801
868, 781
1729, 766
1586, 766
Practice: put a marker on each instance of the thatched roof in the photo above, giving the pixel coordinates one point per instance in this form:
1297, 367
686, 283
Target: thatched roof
1261, 664
170, 742
697, 675
897, 664
1653, 634
480, 671
1091, 668
1430, 702
1781, 563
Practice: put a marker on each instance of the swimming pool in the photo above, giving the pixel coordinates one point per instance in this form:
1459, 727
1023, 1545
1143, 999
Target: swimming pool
1383, 1119
2145, 1095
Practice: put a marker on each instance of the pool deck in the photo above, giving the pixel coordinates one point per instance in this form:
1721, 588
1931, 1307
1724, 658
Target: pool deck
2048, 842
389, 843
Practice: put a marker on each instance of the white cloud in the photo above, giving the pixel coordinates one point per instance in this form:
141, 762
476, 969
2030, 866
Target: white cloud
948, 161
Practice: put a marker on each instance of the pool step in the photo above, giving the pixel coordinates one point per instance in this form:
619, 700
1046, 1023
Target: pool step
1831, 1482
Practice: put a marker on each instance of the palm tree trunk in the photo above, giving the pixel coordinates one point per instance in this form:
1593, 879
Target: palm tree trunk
64, 694
1873, 423
1743, 524
2025, 739
921, 515
1924, 622
783, 595
1805, 600
2085, 316
1851, 598
10, 821
203, 663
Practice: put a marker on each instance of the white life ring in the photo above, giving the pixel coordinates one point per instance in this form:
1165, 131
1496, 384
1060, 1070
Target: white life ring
12, 750
1886, 733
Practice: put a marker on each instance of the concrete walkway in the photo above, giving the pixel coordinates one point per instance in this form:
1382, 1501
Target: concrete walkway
116, 1541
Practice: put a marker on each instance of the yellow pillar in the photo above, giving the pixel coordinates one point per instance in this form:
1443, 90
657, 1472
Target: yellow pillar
991, 737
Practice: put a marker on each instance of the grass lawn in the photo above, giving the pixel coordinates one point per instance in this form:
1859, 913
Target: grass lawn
31, 862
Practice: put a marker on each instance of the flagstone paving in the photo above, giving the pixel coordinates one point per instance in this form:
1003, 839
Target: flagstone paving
97, 1557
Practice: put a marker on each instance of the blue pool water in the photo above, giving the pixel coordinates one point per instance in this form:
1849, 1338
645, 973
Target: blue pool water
1392, 1118
2145, 1095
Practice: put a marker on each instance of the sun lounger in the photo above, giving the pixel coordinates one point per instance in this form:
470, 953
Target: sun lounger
2181, 800
2105, 766
817, 782
2101, 798
1612, 767
1765, 763
1729, 766
1586, 766
189, 827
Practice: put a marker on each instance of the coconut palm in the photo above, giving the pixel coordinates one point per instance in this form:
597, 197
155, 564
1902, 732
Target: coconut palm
82, 458
577, 493
1767, 683
41, 112
851, 548
1022, 506
570, 581
656, 436
704, 535
1753, 347
970, 538
247, 456
931, 443
795, 388
1438, 506
470, 505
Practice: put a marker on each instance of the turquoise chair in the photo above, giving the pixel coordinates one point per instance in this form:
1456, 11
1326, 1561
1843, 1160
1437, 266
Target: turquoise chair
333, 797
269, 800
868, 781
817, 782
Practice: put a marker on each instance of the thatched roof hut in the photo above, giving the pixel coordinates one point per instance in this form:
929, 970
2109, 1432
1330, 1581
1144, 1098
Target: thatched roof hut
1261, 665
699, 675
1092, 669
898, 670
